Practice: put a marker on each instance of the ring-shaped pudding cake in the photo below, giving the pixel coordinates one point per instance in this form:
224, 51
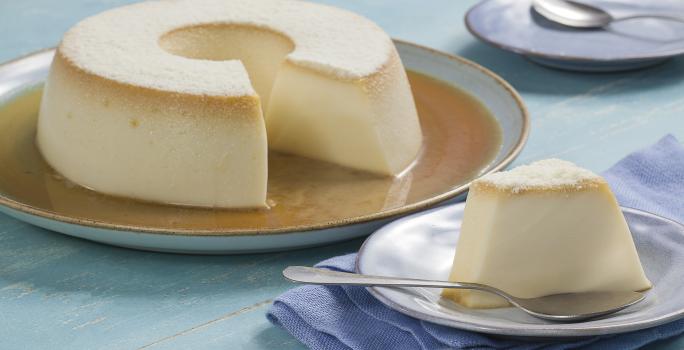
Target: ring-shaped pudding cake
179, 101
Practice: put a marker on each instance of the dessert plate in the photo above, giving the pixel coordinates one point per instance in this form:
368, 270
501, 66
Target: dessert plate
311, 203
422, 246
513, 25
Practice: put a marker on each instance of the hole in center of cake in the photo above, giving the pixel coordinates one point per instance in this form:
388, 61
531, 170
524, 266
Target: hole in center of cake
260, 50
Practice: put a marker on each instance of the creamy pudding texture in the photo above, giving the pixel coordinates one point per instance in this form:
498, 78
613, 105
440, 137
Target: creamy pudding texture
178, 102
545, 228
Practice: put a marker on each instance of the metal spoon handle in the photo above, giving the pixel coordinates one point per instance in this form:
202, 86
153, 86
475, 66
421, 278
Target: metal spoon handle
559, 307
314, 275
663, 16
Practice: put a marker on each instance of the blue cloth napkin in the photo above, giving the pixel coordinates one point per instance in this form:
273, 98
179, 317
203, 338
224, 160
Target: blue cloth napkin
333, 317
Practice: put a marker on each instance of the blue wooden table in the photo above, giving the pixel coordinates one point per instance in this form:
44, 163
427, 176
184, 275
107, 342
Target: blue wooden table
63, 293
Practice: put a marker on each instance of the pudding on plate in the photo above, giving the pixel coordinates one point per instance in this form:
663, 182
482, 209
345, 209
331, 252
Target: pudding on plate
178, 101
546, 228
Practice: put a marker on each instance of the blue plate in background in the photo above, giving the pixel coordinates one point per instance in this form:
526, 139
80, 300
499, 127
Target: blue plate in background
514, 26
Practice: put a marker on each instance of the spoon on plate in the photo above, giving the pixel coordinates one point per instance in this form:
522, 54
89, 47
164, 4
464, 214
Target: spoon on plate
568, 307
581, 15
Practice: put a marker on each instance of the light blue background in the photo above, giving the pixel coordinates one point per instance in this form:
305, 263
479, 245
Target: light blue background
63, 293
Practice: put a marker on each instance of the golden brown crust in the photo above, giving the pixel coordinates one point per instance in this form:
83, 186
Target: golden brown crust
483, 186
465, 298
373, 83
154, 98
376, 82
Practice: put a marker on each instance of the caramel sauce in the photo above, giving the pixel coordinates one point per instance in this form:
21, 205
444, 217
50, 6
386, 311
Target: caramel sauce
460, 139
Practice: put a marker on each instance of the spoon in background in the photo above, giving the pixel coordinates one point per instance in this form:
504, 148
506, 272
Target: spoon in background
570, 307
580, 15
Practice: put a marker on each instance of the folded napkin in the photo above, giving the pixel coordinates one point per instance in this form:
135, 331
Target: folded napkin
333, 317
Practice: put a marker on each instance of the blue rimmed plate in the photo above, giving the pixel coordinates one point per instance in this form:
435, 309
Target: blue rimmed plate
168, 228
512, 25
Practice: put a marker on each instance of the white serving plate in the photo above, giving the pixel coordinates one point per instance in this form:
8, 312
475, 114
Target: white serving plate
499, 97
423, 245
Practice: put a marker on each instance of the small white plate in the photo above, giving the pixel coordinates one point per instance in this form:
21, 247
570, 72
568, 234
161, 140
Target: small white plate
422, 246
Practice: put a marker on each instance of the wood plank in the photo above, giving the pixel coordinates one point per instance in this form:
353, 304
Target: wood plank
56, 290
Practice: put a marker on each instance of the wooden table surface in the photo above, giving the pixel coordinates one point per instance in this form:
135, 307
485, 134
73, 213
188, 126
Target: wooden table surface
59, 292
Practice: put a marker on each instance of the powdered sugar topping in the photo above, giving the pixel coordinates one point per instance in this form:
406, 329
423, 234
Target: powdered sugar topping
122, 44
543, 174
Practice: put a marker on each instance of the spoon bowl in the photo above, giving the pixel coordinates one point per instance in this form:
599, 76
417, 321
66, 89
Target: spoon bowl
580, 15
572, 14
569, 307
573, 307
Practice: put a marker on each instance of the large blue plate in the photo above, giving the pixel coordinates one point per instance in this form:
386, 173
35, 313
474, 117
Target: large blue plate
496, 94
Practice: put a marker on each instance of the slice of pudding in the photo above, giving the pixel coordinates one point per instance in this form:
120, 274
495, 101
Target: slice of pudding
546, 228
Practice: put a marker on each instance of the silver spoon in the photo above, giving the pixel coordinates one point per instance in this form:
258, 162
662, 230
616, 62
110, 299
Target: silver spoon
560, 307
581, 15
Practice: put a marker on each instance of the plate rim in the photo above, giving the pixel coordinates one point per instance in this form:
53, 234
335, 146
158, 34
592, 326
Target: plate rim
546, 332
573, 58
380, 215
